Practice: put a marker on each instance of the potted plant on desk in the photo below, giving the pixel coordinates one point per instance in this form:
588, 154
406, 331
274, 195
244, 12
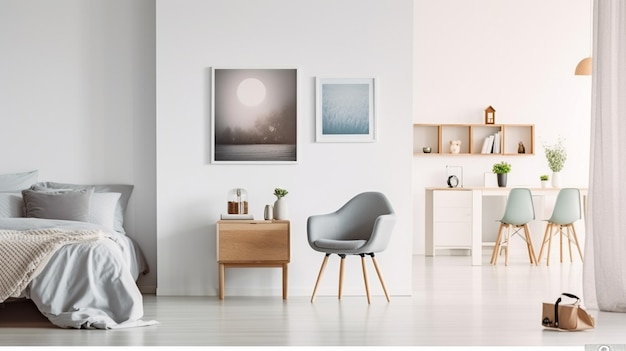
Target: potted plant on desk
544, 180
501, 169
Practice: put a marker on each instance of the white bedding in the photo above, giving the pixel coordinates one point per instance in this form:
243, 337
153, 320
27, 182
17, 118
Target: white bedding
87, 285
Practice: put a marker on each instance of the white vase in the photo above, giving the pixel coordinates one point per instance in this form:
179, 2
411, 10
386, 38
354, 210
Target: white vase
556, 179
281, 209
545, 183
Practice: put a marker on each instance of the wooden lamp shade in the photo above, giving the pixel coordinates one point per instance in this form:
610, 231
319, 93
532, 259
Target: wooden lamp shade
584, 67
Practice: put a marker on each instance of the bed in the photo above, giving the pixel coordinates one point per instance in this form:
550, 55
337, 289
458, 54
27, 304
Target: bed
64, 247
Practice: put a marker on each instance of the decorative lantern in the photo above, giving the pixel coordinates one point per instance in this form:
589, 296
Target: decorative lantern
490, 115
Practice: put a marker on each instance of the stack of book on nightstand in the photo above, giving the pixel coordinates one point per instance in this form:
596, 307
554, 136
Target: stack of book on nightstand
237, 216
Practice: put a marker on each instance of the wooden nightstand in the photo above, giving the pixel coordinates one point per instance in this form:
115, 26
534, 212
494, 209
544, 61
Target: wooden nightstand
245, 243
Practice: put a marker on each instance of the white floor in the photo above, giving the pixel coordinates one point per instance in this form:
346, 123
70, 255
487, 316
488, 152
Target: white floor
454, 304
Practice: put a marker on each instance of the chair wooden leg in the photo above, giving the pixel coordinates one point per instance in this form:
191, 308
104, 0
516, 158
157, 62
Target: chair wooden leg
528, 248
496, 248
566, 232
508, 243
549, 244
319, 276
367, 287
543, 242
380, 277
561, 243
341, 262
529, 244
576, 241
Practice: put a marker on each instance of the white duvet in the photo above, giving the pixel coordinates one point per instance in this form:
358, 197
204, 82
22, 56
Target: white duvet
87, 285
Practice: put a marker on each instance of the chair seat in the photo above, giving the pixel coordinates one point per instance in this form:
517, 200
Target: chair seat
348, 245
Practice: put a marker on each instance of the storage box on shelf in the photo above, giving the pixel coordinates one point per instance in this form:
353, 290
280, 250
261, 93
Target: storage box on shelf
475, 139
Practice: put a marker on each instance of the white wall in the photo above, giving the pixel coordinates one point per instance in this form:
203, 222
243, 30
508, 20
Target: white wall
77, 90
339, 38
519, 57
77, 102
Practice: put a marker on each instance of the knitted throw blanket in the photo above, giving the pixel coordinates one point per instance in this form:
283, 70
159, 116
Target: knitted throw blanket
24, 253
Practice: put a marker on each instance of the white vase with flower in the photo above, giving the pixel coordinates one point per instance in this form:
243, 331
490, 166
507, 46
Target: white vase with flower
556, 156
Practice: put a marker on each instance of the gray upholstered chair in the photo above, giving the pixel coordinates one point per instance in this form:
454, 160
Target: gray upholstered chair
361, 227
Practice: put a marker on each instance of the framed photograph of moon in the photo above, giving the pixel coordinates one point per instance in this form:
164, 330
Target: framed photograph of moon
345, 110
254, 115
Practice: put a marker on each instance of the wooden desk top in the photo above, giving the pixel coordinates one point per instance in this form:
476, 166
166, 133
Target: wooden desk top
252, 221
505, 189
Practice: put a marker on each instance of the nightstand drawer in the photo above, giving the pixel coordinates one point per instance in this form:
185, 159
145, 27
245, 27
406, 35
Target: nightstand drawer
253, 241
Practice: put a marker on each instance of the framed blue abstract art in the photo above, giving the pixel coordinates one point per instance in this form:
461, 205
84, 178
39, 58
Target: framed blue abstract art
345, 110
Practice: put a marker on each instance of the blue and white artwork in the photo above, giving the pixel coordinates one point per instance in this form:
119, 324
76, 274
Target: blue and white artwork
345, 110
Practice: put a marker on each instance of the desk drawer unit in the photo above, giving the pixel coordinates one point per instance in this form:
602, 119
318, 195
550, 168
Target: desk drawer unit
452, 219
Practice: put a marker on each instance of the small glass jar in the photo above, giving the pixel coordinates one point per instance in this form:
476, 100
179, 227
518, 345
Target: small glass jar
238, 201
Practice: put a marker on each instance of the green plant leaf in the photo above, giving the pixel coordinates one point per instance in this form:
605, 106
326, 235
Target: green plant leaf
501, 168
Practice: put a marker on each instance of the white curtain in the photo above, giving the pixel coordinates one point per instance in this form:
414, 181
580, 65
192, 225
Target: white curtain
604, 272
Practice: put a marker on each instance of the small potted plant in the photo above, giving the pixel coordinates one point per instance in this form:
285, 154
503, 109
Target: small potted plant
280, 206
544, 180
501, 169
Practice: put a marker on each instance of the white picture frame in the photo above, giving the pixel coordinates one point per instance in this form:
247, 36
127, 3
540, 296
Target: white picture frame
345, 110
254, 115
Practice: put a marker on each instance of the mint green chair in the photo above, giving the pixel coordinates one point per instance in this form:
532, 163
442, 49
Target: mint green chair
518, 213
567, 210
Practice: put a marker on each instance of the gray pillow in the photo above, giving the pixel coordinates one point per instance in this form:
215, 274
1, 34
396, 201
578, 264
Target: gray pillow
101, 209
124, 189
18, 181
66, 205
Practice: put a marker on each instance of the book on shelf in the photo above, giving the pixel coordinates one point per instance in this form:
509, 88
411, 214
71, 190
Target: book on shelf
237, 216
487, 145
497, 140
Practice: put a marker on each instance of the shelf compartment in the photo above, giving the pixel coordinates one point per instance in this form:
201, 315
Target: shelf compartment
472, 137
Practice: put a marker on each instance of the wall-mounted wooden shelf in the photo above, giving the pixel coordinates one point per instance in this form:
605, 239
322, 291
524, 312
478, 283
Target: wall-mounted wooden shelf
472, 137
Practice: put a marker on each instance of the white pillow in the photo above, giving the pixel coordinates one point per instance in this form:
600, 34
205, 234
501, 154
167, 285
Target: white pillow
102, 209
18, 181
11, 205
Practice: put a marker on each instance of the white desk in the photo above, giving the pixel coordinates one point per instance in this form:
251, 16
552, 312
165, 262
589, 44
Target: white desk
454, 216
